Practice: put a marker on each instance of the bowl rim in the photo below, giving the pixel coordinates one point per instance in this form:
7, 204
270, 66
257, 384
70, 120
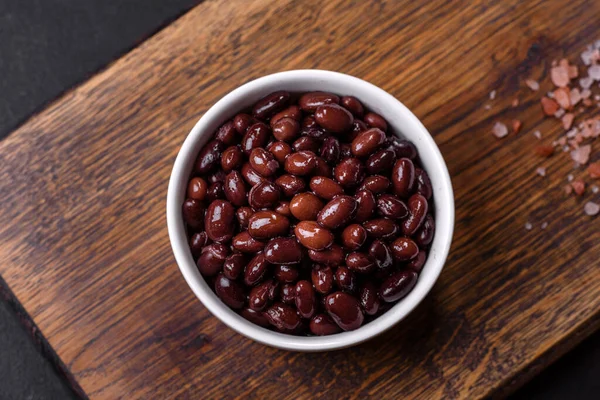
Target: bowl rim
179, 242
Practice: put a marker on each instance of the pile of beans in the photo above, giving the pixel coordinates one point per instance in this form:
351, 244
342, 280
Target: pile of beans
306, 216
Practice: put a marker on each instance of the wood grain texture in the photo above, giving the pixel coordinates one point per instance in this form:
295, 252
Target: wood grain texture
83, 184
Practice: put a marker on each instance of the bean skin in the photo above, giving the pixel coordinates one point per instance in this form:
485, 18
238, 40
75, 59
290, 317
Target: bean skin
380, 228
256, 317
286, 273
197, 243
391, 207
397, 286
197, 189
322, 279
280, 151
382, 254
193, 214
345, 280
234, 264
211, 259
404, 249
271, 104
306, 143
325, 188
292, 112
376, 184
264, 195
424, 235
263, 162
250, 175
308, 122
305, 206
330, 150
255, 270
306, 302
365, 205
235, 188
334, 118
215, 192
375, 121
245, 243
283, 251
322, 324
322, 168
332, 256
232, 158
381, 161
353, 105
290, 184
417, 207
403, 177
337, 212
286, 129
227, 133
349, 172
367, 142
417, 263
403, 149
220, 222
345, 310
209, 157
217, 176
257, 135
312, 236
369, 298
230, 292
424, 187
357, 127
301, 163
360, 262
283, 317
262, 294
243, 215
354, 236
267, 225
283, 208
310, 101
242, 122
287, 293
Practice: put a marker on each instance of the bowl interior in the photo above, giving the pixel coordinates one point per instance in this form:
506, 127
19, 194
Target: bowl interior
401, 121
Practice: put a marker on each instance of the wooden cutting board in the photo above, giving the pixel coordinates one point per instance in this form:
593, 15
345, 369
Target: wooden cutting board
83, 184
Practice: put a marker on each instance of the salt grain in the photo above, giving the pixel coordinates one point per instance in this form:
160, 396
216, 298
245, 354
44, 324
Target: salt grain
591, 208
528, 226
586, 82
538, 135
499, 130
595, 189
492, 95
567, 120
571, 134
586, 56
570, 177
544, 225
581, 155
575, 96
559, 113
559, 76
566, 148
586, 93
594, 72
487, 107
533, 85
541, 171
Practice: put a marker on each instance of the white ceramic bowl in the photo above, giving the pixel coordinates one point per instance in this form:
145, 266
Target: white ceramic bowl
401, 121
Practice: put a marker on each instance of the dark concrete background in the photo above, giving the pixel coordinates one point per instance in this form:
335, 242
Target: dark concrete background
47, 47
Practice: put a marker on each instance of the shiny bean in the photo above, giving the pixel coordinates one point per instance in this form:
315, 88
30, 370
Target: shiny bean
381, 253
232, 158
263, 162
417, 207
280, 151
245, 243
220, 221
330, 150
349, 172
310, 101
250, 175
255, 270
353, 105
357, 127
345, 310
403, 177
283, 251
197, 243
288, 293
381, 228
404, 249
354, 236
375, 121
332, 256
267, 225
391, 207
345, 151
286, 273
397, 286
270, 104
337, 212
197, 189
283, 317
301, 163
381, 162
322, 168
306, 301
403, 148
334, 118
344, 278
325, 188
423, 183
292, 112
217, 176
365, 205
286, 129
256, 317
257, 135
227, 134
264, 195
312, 236
369, 298
417, 263
306, 143
360, 262
367, 142
193, 213
283, 208
290, 184
322, 324
209, 157
376, 184
308, 122
230, 292
305, 206
235, 188
262, 294
234, 265
424, 235
242, 122
211, 259
243, 215
214, 192
322, 278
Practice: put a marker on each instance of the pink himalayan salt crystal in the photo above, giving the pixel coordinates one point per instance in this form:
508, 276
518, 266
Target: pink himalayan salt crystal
587, 55
586, 93
492, 95
560, 76
532, 84
541, 171
499, 130
487, 107
591, 208
586, 82
575, 96
571, 134
581, 155
567, 120
595, 189
559, 113
528, 226
544, 225
570, 177
594, 72
538, 135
